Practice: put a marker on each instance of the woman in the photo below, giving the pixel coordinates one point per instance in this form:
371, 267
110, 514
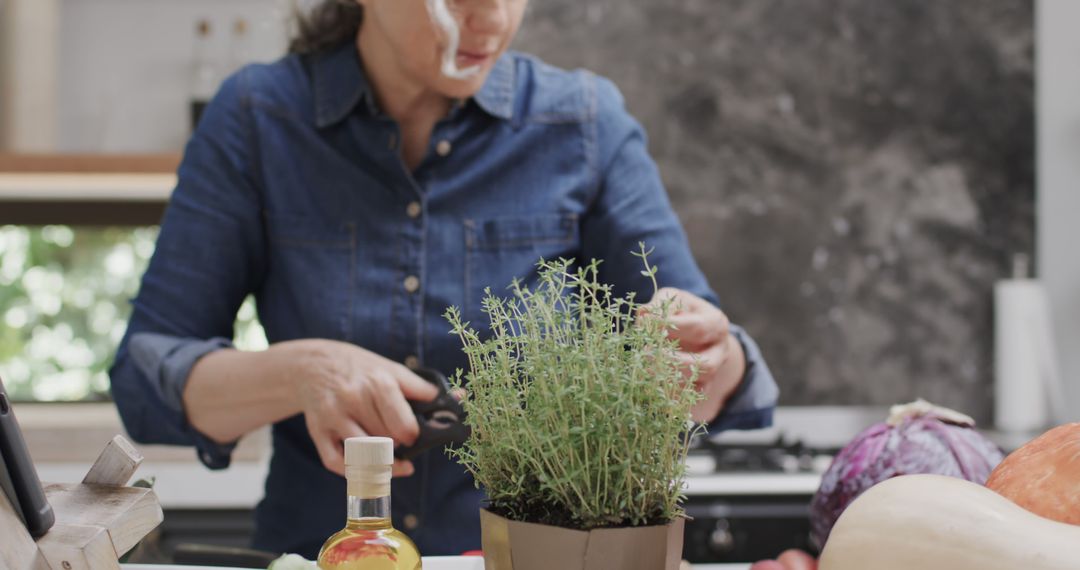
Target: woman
358, 187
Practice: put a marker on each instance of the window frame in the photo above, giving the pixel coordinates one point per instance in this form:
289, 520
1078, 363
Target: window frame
89, 190
95, 190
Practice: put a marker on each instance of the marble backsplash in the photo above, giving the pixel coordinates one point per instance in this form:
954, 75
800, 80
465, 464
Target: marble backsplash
853, 175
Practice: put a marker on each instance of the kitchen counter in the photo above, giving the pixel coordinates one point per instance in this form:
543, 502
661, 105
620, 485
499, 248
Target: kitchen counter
85, 189
73, 177
184, 483
730, 484
64, 444
430, 563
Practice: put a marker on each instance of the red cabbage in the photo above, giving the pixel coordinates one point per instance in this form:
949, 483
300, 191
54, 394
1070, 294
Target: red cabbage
917, 438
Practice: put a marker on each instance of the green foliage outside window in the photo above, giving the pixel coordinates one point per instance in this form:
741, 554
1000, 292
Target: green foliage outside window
64, 305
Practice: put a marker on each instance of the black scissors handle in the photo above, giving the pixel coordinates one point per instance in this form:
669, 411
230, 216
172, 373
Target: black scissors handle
442, 420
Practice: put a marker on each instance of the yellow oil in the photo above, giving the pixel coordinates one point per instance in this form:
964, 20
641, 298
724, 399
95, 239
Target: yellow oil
369, 544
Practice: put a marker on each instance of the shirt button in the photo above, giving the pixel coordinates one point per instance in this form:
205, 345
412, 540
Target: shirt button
413, 210
412, 362
410, 522
443, 148
412, 284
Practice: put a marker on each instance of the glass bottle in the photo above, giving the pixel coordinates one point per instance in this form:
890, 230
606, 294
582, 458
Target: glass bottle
239, 46
204, 74
369, 541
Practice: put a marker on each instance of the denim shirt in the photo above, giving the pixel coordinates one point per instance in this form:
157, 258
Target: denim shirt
292, 188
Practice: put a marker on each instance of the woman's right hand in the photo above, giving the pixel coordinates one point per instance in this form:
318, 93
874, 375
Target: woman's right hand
346, 391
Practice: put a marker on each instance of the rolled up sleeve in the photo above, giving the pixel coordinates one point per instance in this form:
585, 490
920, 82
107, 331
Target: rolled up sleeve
752, 404
208, 258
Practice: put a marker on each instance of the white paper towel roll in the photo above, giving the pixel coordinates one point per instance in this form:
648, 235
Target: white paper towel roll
1025, 381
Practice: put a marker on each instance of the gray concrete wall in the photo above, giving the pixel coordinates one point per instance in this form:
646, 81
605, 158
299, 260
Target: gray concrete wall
854, 175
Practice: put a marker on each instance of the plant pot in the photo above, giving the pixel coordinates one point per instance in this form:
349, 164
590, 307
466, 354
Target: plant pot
513, 545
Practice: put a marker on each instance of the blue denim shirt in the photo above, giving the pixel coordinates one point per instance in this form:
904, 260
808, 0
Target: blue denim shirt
292, 188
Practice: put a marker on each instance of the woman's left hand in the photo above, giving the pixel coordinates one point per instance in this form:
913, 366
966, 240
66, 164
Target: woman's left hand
704, 335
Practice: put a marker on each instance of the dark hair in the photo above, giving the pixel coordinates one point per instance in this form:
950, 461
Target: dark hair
328, 24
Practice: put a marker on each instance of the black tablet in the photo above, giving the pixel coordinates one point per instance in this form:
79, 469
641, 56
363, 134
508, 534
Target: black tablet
18, 478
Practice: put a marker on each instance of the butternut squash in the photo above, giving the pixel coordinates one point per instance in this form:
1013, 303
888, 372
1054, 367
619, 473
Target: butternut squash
1043, 476
933, 522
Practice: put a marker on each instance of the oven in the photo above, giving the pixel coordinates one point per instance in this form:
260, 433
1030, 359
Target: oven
748, 496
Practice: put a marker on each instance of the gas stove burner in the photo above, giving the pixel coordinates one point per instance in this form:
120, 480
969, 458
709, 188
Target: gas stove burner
756, 455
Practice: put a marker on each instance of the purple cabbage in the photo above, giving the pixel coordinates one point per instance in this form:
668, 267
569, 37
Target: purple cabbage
917, 438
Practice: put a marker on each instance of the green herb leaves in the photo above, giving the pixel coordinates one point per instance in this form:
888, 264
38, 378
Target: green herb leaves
579, 409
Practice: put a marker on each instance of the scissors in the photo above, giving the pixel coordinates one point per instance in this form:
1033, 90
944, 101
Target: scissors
442, 420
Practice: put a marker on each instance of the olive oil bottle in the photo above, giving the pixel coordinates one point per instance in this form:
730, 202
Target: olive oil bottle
369, 541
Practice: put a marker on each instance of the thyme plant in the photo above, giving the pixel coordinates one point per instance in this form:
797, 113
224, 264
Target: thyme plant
579, 410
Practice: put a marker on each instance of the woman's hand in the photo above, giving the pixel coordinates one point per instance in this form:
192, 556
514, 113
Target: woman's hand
345, 391
704, 335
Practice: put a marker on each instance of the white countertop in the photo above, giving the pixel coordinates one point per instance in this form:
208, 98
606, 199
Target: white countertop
240, 486
430, 563
184, 485
753, 484
192, 486
187, 484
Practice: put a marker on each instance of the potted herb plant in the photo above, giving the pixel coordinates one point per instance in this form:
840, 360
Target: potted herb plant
579, 412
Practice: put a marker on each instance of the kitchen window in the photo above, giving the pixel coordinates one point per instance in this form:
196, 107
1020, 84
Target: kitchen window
64, 305
73, 247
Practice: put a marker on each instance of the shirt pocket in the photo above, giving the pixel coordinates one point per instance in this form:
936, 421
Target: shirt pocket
310, 279
498, 250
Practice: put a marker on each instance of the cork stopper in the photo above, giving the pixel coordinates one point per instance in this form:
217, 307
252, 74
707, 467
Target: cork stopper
360, 451
368, 462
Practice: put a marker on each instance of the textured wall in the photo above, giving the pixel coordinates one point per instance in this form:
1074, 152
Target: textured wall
853, 174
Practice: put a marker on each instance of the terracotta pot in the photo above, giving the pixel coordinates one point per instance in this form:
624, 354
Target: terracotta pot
512, 545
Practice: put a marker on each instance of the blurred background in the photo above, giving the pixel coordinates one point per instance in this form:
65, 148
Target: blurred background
854, 176
81, 79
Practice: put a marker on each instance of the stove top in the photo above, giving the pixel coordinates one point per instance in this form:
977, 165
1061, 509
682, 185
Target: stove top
748, 453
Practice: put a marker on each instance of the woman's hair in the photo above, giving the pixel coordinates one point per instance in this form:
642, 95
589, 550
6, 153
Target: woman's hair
328, 24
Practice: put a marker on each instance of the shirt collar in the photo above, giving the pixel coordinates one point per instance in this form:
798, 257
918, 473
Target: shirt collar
497, 95
340, 84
